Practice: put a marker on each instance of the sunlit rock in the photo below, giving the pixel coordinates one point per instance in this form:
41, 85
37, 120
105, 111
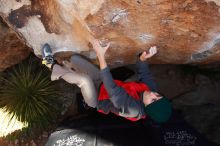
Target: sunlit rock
184, 31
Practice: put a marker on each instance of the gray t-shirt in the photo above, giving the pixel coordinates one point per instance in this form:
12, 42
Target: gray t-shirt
120, 101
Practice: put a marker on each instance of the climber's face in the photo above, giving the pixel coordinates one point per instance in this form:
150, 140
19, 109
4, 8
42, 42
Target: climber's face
150, 97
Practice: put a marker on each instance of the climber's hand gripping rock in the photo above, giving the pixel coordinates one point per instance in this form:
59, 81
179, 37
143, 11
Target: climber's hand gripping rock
99, 47
152, 51
100, 52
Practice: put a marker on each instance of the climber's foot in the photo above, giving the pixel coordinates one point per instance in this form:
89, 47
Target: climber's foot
47, 55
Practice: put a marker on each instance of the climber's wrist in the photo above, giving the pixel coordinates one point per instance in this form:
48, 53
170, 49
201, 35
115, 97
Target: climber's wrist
141, 58
100, 55
102, 62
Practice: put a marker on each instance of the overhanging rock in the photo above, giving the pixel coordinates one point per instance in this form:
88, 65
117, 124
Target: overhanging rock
12, 49
185, 31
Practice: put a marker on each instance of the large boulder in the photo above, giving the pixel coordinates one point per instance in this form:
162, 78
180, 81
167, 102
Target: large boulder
12, 49
185, 31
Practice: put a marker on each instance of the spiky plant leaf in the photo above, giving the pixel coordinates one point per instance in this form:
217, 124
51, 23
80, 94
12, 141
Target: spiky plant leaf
28, 94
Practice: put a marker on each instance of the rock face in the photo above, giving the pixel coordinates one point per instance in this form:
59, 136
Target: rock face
185, 31
12, 50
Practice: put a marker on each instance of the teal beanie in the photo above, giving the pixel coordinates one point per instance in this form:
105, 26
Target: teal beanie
160, 110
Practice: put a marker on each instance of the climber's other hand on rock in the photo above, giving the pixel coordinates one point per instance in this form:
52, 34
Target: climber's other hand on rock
145, 55
99, 47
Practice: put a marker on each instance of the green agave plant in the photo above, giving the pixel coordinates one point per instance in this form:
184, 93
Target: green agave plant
27, 93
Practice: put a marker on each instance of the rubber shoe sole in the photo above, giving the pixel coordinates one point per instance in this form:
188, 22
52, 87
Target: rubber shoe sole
47, 54
46, 51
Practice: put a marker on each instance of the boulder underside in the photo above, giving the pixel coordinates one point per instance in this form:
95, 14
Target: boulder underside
185, 31
12, 49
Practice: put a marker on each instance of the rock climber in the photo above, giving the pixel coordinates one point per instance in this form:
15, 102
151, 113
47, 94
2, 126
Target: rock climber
131, 100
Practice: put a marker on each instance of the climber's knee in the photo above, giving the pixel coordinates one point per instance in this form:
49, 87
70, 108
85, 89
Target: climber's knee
85, 81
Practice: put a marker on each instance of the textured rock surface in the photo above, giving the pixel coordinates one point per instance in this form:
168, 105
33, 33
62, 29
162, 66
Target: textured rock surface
195, 92
185, 31
12, 50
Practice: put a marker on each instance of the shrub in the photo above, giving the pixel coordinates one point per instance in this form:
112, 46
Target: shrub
28, 94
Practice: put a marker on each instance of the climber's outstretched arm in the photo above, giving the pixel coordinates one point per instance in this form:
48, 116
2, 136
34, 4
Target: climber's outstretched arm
100, 52
118, 96
104, 70
143, 71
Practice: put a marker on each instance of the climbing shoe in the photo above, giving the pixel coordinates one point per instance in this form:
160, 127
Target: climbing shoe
47, 55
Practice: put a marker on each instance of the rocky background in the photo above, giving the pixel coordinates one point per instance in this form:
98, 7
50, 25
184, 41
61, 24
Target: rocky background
185, 31
195, 92
12, 49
